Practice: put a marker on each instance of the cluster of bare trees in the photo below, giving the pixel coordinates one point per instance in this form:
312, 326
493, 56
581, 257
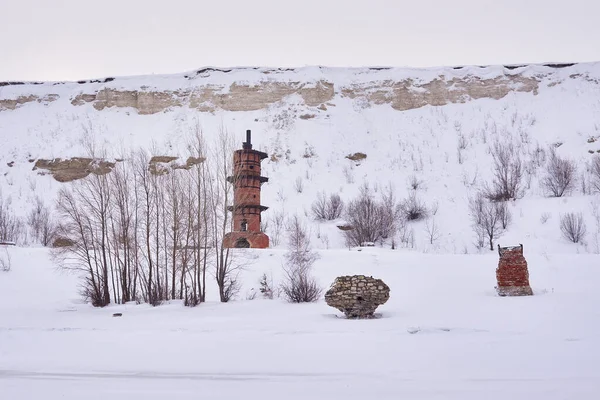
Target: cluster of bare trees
12, 228
151, 234
41, 223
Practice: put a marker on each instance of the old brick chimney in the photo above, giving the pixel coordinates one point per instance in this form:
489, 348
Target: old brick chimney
247, 181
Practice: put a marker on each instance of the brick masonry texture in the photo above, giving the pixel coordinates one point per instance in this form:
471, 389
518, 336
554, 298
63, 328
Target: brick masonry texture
512, 274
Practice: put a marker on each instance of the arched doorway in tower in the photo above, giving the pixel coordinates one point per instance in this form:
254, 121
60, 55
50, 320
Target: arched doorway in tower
242, 243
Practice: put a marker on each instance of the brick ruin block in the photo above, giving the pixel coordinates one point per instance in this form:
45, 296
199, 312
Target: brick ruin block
512, 274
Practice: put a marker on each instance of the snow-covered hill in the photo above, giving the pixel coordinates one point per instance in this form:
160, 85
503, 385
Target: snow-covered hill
434, 126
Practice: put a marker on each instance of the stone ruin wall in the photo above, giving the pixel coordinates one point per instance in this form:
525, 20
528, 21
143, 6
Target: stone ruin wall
357, 296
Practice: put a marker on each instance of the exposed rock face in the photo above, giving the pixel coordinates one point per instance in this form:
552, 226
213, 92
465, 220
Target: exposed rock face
401, 95
237, 97
74, 168
79, 167
161, 165
251, 89
512, 274
357, 296
408, 94
11, 104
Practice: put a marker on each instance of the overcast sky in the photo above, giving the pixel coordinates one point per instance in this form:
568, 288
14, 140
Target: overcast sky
77, 39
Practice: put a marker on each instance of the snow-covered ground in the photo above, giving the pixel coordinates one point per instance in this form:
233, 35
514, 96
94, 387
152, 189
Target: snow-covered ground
443, 334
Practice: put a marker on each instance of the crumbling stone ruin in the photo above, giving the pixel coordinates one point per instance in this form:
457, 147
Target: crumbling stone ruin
512, 274
357, 296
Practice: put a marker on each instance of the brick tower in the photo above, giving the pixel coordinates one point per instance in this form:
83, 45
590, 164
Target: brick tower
246, 180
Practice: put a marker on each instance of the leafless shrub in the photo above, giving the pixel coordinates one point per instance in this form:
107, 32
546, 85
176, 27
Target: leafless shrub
560, 176
414, 183
460, 147
538, 156
573, 227
435, 206
371, 220
5, 260
266, 287
545, 217
277, 224
348, 174
231, 287
251, 294
508, 173
299, 286
299, 185
41, 223
413, 209
486, 217
462, 142
327, 209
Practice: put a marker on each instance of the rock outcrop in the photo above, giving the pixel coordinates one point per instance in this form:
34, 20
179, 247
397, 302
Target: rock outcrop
74, 168
512, 274
12, 104
357, 296
251, 89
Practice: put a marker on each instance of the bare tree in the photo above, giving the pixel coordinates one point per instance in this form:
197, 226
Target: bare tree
413, 209
508, 173
432, 230
560, 176
595, 172
486, 219
226, 270
503, 213
5, 260
299, 286
573, 227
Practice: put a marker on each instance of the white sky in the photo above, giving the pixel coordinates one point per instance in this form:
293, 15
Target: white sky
77, 39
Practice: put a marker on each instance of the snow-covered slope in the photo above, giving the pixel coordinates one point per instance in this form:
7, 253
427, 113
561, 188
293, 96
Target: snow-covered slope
409, 122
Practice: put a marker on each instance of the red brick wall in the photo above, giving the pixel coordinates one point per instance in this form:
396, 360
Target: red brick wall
257, 240
512, 274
